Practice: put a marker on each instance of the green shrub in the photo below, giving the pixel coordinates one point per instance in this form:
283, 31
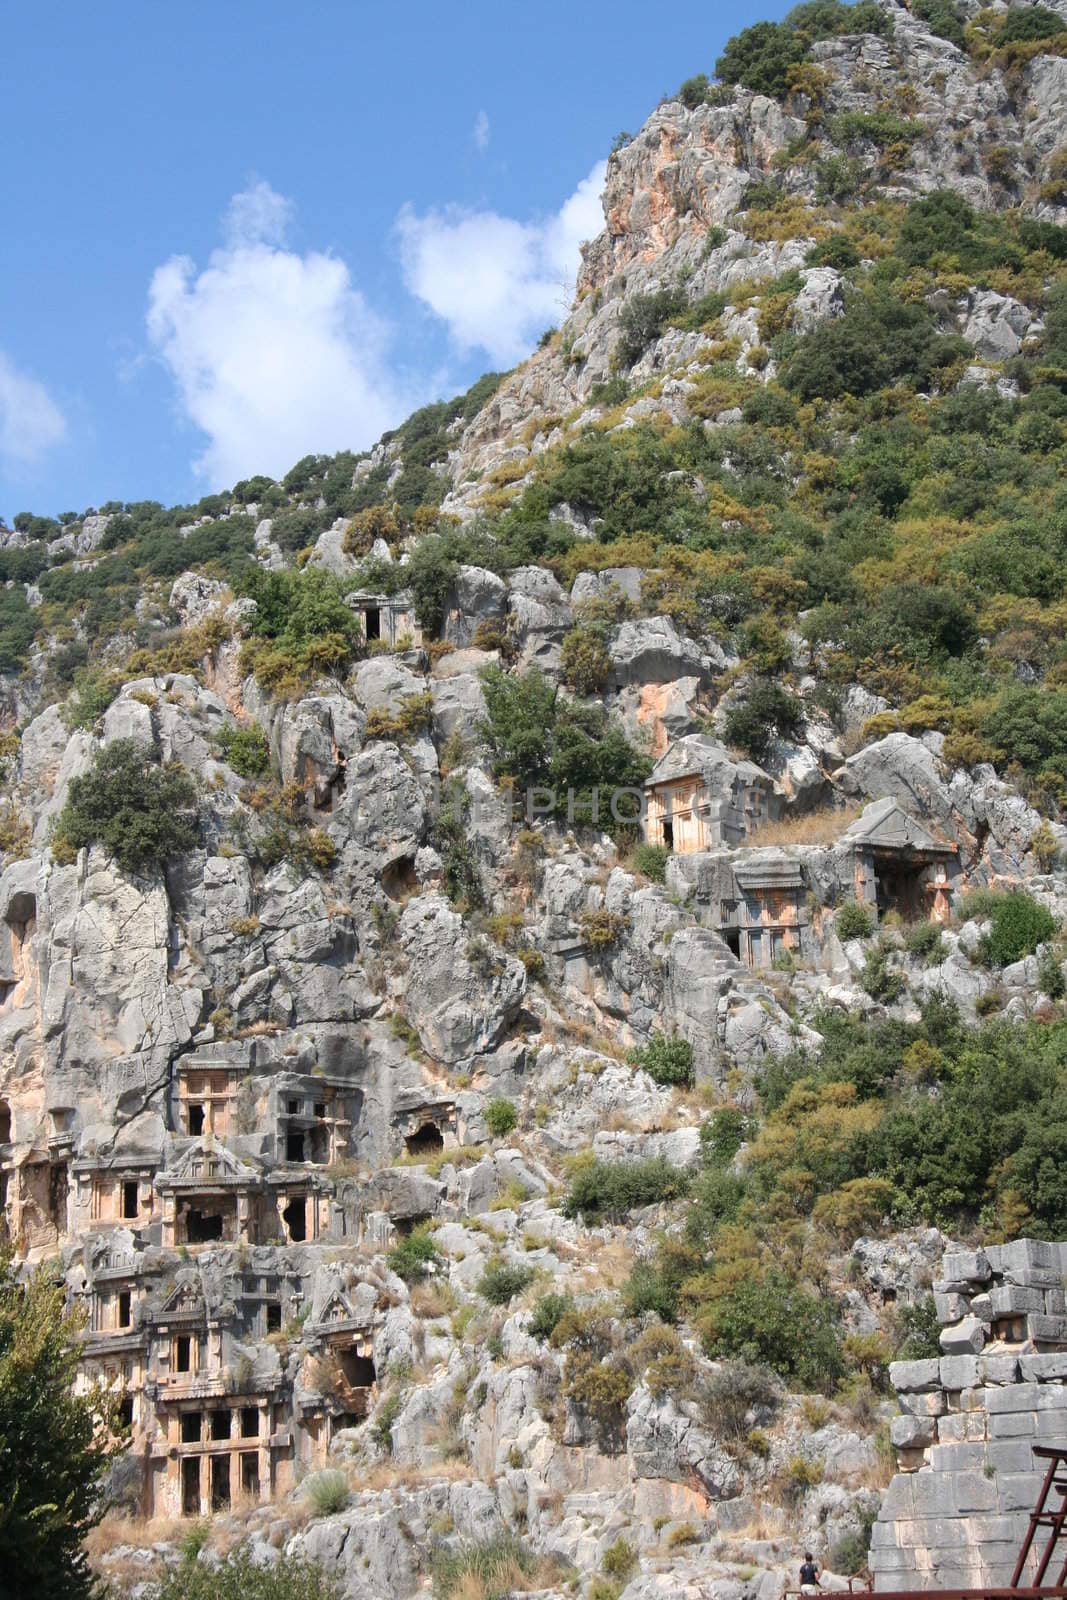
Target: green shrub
619, 1560
667, 1061
766, 711
238, 1576
500, 1283
1019, 925
944, 20
878, 978
548, 1313
920, 1330
735, 1390
245, 749
414, 1256
849, 1555
611, 1189
585, 664
771, 1321
723, 1134
500, 1118
141, 813
1024, 24
878, 341
651, 861
326, 1491
923, 939
643, 319
1050, 976
492, 1567
854, 921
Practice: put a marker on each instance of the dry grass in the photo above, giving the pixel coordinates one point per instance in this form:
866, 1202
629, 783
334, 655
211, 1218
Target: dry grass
391, 1475
609, 1268
815, 827
432, 1300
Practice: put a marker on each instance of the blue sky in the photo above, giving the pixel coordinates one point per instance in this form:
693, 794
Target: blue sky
235, 230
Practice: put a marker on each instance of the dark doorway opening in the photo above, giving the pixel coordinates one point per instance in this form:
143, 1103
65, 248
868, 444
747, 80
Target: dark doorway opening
320, 1146
190, 1427
374, 623
274, 1316
250, 1422
358, 1370
126, 1411
294, 1146
131, 1202
405, 1226
220, 1482
220, 1424
732, 937
183, 1354
203, 1227
191, 1486
124, 1308
668, 833
295, 1218
5, 1122
250, 1474
196, 1119
425, 1140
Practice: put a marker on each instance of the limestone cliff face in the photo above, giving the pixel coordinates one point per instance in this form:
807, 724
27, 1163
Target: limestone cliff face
987, 136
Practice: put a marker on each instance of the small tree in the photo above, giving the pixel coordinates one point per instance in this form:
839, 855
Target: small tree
239, 1577
139, 811
54, 1445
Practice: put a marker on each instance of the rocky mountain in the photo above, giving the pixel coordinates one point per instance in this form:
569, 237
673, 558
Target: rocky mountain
526, 947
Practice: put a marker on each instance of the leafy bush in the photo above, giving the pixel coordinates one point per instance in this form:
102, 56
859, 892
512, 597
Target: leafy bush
878, 978
585, 664
761, 57
1050, 976
326, 1491
667, 1061
849, 1555
141, 813
1026, 23
643, 319
737, 1389
548, 1313
500, 1283
414, 1256
771, 1321
651, 861
920, 1329
238, 1576
767, 710
854, 921
500, 1117
944, 20
245, 749
611, 1189
878, 341
1020, 924
923, 939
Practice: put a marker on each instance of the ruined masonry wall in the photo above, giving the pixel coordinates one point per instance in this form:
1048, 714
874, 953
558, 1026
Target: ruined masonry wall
956, 1513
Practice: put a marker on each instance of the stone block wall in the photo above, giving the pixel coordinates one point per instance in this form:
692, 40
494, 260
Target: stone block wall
956, 1513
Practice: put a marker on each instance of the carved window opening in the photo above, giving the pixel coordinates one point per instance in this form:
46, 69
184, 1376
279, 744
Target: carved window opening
183, 1353
125, 1305
220, 1424
250, 1474
190, 1426
191, 1486
196, 1119
5, 1122
250, 1423
130, 1199
425, 1140
220, 1482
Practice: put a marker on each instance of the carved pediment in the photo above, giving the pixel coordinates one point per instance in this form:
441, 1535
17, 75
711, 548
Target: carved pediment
207, 1163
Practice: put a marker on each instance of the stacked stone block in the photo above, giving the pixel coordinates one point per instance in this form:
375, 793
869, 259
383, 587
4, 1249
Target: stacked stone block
957, 1511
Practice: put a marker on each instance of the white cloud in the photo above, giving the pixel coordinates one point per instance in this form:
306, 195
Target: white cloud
31, 423
481, 131
274, 354
497, 282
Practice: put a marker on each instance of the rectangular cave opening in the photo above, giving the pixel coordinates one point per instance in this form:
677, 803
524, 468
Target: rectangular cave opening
183, 1353
294, 1146
208, 1221
220, 1424
195, 1119
295, 1218
274, 1316
130, 1198
373, 616
249, 1422
126, 1411
220, 1482
190, 1427
358, 1370
250, 1474
125, 1307
191, 1486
